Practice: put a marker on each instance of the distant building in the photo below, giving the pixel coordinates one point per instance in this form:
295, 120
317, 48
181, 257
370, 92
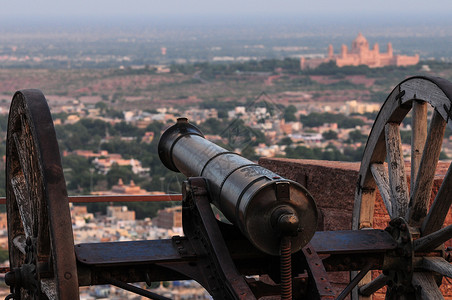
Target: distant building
361, 54
103, 165
3, 221
169, 218
130, 189
120, 213
354, 106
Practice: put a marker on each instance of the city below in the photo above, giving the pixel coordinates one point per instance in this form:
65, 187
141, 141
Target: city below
263, 98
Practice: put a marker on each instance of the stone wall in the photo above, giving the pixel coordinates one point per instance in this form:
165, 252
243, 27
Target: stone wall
332, 184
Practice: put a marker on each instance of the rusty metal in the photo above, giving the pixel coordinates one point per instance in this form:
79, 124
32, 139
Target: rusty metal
320, 284
224, 281
286, 269
352, 241
399, 264
119, 198
134, 289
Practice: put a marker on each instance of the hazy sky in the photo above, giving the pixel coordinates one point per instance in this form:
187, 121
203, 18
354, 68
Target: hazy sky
105, 8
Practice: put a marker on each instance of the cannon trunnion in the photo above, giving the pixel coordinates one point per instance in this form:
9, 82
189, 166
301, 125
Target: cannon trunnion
271, 248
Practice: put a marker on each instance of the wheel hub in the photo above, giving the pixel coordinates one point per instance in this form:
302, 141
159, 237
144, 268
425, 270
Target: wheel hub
399, 263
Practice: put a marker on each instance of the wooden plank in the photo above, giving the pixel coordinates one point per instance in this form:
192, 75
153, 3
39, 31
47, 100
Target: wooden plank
363, 215
432, 241
426, 287
396, 169
381, 178
424, 181
438, 265
418, 136
440, 207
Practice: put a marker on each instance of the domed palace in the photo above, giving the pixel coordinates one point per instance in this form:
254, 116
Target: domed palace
361, 54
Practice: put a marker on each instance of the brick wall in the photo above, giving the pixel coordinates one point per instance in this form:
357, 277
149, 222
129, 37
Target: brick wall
332, 184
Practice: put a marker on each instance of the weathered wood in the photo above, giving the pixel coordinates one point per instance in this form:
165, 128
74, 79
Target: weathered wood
49, 288
373, 286
416, 93
36, 193
433, 240
381, 179
396, 169
426, 287
366, 209
424, 181
430, 90
418, 136
440, 207
438, 265
19, 187
375, 152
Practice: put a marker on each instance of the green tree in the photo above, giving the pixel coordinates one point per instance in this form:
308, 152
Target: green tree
119, 172
356, 136
329, 135
285, 141
289, 113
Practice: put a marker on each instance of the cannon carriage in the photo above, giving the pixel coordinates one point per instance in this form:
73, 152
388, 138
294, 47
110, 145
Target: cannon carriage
269, 247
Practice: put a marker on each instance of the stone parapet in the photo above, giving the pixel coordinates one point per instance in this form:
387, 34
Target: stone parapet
332, 184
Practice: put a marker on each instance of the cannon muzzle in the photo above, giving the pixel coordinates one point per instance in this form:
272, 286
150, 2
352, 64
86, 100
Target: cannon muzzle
262, 204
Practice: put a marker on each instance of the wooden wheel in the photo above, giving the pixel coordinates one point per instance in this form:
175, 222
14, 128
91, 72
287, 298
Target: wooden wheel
415, 225
41, 244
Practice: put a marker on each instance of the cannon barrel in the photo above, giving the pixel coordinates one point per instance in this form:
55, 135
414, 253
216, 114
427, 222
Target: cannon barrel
262, 204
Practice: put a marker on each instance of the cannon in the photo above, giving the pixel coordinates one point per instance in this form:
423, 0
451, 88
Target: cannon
262, 204
266, 244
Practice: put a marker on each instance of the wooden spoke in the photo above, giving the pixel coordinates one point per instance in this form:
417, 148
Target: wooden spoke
20, 191
381, 179
396, 168
426, 287
438, 265
433, 240
418, 136
373, 286
424, 180
440, 207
